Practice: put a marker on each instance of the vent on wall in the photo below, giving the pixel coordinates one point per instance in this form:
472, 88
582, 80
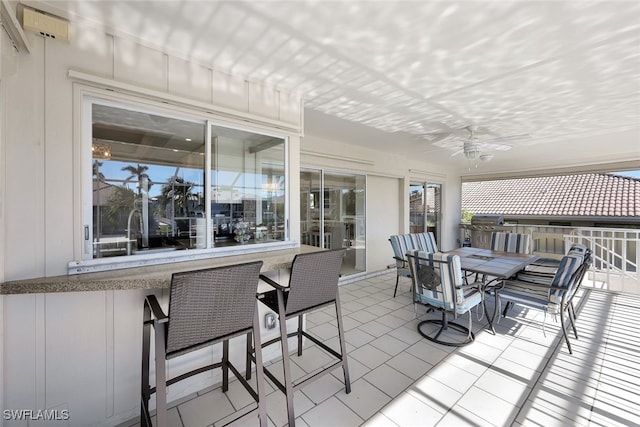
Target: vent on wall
45, 25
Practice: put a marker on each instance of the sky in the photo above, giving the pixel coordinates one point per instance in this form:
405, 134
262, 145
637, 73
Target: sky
633, 174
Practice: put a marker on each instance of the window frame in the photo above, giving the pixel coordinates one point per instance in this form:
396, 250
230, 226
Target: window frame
83, 261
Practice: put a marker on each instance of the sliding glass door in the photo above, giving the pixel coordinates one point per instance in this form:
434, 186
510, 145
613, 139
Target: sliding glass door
333, 214
425, 208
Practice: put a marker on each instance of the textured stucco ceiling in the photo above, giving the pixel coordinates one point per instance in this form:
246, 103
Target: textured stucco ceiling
559, 72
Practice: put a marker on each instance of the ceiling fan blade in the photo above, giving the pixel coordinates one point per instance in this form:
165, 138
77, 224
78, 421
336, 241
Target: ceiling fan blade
510, 138
435, 137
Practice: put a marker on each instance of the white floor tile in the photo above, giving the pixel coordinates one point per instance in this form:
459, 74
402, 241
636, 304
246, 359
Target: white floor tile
369, 356
486, 406
364, 399
277, 407
389, 344
375, 328
206, 409
458, 417
357, 337
506, 388
452, 376
388, 380
379, 420
428, 352
409, 365
406, 410
434, 393
312, 358
331, 412
322, 388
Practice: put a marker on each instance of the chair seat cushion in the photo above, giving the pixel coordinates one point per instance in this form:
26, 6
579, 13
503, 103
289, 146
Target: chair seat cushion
472, 297
528, 294
535, 277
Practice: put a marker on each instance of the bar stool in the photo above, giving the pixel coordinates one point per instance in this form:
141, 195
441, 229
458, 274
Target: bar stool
313, 285
205, 307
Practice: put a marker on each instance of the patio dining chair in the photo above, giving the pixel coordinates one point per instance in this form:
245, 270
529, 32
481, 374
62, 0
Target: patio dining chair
401, 243
543, 270
506, 242
555, 298
205, 307
438, 283
510, 242
313, 285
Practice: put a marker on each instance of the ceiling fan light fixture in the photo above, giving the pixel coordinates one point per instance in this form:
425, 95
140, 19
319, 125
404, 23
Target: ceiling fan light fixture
472, 150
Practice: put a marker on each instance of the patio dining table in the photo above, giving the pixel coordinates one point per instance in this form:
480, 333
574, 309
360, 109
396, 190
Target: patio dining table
496, 265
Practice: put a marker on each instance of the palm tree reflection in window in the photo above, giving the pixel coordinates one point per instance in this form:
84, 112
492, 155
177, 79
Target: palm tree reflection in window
141, 202
177, 200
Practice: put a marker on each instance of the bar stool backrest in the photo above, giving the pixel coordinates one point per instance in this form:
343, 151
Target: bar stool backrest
314, 279
208, 305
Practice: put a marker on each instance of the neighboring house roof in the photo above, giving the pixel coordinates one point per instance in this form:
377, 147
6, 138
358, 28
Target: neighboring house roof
593, 195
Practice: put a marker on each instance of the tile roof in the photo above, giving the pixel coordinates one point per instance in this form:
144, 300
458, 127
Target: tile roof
585, 195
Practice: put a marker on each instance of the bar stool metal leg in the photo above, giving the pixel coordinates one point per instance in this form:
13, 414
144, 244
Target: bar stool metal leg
288, 384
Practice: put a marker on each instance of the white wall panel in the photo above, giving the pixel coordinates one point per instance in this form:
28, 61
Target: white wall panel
20, 351
190, 80
137, 64
230, 91
290, 107
383, 218
58, 160
89, 50
76, 354
263, 101
25, 168
126, 354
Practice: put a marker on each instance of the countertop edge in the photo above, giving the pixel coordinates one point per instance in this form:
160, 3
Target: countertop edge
156, 277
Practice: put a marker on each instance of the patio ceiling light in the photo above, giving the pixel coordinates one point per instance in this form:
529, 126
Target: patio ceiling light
101, 150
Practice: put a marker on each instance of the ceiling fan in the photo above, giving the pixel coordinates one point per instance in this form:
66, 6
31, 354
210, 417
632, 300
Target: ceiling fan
474, 148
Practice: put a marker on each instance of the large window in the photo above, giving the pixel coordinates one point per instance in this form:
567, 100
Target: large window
162, 183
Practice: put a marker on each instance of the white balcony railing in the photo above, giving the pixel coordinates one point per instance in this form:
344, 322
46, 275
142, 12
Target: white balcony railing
616, 255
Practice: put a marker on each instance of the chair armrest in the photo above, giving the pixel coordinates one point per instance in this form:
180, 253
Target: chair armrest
273, 283
473, 285
402, 260
156, 310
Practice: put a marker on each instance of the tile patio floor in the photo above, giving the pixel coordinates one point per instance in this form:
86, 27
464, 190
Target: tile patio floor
516, 377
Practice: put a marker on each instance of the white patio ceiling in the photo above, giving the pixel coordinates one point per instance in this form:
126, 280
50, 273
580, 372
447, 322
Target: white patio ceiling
413, 74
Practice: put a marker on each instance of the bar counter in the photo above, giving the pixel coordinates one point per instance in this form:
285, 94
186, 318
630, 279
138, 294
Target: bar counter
148, 277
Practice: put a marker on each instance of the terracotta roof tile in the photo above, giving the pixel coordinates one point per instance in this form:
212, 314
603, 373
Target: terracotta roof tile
600, 195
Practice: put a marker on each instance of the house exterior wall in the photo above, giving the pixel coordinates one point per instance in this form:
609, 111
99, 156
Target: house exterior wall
81, 351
